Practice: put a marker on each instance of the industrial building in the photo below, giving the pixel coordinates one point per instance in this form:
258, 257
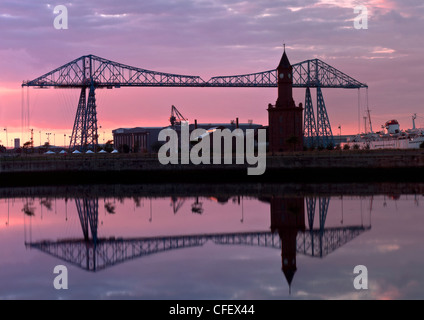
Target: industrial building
145, 139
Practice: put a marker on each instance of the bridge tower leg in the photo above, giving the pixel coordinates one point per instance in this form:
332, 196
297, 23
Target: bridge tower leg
325, 134
309, 127
84, 133
88, 212
323, 210
310, 207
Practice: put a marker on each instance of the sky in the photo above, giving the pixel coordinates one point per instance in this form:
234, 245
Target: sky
209, 38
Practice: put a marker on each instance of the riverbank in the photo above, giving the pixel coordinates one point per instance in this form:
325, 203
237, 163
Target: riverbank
302, 167
219, 191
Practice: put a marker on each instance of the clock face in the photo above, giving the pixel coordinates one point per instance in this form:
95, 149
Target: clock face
281, 75
289, 75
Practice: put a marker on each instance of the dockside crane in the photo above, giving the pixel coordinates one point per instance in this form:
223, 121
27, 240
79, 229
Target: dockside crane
176, 117
177, 203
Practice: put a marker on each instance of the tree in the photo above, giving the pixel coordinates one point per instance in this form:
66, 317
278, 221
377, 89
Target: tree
109, 146
27, 145
28, 210
110, 208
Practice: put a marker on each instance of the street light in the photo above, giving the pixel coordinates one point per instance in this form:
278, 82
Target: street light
7, 139
48, 137
32, 138
103, 135
340, 135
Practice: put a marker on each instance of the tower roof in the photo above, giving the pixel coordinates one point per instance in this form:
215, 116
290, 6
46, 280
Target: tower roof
289, 273
284, 63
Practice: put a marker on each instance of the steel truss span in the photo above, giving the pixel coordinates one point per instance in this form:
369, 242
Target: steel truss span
94, 254
98, 254
102, 73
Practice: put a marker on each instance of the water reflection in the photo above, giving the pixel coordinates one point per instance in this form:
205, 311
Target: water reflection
97, 234
288, 233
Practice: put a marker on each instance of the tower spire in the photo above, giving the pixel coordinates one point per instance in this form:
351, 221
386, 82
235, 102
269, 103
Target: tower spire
285, 119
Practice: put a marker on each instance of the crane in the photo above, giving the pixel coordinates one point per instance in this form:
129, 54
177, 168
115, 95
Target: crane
177, 203
176, 117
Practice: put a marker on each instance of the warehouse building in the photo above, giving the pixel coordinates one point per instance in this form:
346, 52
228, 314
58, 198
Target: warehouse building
145, 139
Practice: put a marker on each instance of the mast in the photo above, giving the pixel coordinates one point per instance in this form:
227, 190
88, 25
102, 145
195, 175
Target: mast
369, 119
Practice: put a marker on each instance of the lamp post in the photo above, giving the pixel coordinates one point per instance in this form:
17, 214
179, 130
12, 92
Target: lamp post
8, 213
148, 142
100, 127
7, 139
48, 138
340, 135
32, 138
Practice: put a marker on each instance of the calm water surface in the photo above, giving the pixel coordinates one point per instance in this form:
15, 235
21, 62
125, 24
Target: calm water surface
206, 247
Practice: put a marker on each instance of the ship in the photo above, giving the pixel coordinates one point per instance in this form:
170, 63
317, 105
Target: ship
391, 137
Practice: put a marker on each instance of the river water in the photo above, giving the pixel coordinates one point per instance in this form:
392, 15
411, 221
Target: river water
213, 246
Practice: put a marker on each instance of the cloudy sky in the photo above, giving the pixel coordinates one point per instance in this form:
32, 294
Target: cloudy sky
210, 38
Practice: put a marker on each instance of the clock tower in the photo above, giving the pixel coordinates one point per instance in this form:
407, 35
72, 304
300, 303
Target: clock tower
285, 118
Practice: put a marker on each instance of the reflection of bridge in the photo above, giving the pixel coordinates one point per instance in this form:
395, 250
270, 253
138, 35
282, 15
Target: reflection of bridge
102, 253
94, 254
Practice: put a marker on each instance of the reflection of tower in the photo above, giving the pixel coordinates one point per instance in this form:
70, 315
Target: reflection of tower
88, 212
288, 217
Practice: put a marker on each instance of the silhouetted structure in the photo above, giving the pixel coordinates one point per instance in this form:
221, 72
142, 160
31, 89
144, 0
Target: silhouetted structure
285, 119
288, 218
287, 234
92, 72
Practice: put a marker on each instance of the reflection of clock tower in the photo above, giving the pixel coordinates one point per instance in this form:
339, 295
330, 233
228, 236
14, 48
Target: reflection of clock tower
288, 218
285, 119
